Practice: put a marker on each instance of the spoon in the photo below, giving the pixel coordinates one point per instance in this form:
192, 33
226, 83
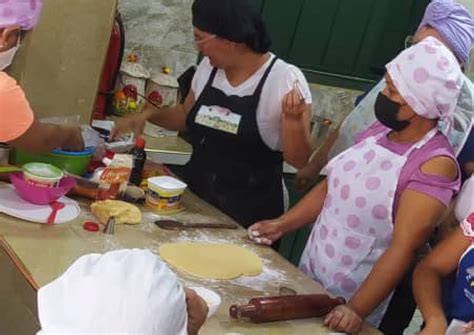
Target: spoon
56, 207
177, 225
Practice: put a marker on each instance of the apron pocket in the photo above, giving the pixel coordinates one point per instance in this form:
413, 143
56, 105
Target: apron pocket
340, 254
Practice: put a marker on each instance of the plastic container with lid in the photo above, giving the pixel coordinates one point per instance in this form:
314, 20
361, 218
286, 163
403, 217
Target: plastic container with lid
164, 194
42, 174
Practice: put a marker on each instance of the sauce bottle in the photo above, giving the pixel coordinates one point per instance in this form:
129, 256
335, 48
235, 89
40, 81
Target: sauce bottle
139, 159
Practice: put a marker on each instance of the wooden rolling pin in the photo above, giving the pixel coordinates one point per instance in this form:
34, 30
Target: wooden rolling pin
280, 308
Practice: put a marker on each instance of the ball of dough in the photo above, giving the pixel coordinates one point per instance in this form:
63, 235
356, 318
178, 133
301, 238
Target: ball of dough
123, 212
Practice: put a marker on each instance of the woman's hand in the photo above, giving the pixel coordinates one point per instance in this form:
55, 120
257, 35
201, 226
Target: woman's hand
73, 140
294, 104
469, 327
267, 231
197, 311
306, 177
131, 124
344, 319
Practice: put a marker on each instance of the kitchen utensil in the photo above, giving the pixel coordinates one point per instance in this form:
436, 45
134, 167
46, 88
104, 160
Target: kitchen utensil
41, 195
12, 204
267, 309
9, 169
177, 225
56, 207
110, 226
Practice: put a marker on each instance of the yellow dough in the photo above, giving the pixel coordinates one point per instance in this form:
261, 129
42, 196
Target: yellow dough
123, 212
212, 261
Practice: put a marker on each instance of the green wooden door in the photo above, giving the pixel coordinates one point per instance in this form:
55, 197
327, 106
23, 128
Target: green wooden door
340, 42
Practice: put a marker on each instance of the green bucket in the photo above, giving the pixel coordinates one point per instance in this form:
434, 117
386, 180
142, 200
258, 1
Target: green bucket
72, 162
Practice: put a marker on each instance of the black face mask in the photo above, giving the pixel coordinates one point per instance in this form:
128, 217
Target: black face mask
386, 112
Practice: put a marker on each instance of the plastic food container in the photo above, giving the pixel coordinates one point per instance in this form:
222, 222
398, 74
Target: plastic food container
164, 194
41, 195
42, 175
72, 162
212, 299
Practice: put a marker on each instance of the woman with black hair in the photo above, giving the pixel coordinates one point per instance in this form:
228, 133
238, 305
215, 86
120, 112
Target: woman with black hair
246, 113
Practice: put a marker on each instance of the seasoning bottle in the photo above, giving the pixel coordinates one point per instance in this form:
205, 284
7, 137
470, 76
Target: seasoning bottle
139, 159
280, 308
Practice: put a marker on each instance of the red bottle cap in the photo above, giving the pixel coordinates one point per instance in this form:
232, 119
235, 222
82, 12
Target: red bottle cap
139, 143
91, 226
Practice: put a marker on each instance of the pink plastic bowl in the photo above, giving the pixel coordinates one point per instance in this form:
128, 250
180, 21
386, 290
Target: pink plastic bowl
41, 195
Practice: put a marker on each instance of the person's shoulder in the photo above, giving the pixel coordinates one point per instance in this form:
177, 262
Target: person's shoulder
6, 81
204, 67
441, 166
442, 162
284, 69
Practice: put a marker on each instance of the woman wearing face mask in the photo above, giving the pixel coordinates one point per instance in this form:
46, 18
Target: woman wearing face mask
247, 112
18, 127
383, 196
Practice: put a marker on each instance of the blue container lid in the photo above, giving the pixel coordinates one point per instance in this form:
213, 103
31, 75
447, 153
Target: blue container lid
86, 152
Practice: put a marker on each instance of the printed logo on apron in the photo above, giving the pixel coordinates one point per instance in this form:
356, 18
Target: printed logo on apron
218, 118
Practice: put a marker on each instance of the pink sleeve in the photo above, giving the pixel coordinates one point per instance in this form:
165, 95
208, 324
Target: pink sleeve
15, 112
436, 187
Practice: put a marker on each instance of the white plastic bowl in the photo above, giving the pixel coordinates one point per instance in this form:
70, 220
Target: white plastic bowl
212, 299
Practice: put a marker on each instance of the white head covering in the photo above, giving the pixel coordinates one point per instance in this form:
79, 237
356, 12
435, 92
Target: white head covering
429, 78
120, 292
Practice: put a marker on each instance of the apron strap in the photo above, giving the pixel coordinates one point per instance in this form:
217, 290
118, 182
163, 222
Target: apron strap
258, 90
422, 142
212, 76
415, 146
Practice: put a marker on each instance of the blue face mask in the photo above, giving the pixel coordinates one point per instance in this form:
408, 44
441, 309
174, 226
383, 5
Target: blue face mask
386, 112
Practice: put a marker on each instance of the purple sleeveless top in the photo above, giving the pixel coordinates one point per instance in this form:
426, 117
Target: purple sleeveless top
411, 176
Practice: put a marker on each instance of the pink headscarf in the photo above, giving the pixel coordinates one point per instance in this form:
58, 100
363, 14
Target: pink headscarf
24, 13
429, 78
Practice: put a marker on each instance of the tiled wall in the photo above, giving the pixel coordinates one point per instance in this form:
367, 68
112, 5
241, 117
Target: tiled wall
160, 33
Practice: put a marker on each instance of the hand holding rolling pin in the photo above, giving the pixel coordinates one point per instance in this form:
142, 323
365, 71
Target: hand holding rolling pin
343, 318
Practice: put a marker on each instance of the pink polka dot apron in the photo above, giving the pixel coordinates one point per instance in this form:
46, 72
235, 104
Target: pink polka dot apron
355, 226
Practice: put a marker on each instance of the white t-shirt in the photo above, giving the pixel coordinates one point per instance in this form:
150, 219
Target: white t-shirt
280, 81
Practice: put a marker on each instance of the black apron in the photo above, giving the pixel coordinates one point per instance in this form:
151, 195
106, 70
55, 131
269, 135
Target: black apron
237, 173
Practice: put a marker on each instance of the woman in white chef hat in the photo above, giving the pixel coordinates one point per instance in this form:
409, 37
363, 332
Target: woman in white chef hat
119, 292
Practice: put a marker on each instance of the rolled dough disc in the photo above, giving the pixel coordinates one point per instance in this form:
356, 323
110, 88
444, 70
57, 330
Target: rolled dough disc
212, 261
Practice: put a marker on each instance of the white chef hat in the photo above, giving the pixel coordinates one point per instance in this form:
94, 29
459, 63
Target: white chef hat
119, 292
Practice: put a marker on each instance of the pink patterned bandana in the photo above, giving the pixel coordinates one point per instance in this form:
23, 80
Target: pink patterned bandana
429, 78
24, 13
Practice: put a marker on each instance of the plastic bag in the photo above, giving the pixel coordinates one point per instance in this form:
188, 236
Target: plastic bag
114, 179
465, 200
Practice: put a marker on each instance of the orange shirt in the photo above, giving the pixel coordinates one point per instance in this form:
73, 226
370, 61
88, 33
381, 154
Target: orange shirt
16, 115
